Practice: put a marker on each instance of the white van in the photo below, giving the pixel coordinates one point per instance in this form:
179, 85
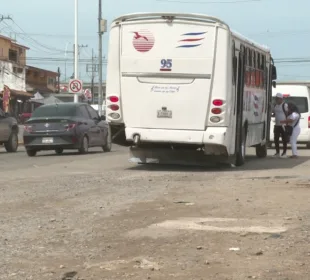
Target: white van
297, 93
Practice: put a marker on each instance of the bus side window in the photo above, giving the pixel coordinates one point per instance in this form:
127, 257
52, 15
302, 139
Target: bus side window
266, 79
257, 70
253, 68
234, 63
246, 62
263, 58
248, 70
264, 71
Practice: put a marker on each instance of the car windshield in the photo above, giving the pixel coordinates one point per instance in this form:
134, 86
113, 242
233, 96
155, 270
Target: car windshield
54, 111
300, 102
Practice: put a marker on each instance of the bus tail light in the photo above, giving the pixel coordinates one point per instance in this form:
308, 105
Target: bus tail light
114, 116
114, 107
113, 99
218, 102
216, 111
215, 119
309, 122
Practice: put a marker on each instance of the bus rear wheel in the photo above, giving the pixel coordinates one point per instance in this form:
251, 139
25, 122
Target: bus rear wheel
261, 151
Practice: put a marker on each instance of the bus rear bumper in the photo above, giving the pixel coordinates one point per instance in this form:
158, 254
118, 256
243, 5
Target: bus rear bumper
212, 141
212, 135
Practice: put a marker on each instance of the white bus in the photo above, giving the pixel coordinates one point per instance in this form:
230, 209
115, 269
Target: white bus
187, 83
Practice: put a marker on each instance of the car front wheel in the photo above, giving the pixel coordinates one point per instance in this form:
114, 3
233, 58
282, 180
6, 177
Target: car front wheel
84, 145
12, 144
107, 147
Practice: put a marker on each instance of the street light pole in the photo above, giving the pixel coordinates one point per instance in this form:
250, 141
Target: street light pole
100, 59
76, 46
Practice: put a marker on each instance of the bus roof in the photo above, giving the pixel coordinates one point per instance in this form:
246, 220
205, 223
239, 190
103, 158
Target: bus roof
188, 16
250, 41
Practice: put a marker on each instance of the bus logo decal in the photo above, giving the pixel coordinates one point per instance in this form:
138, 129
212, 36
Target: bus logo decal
143, 40
192, 41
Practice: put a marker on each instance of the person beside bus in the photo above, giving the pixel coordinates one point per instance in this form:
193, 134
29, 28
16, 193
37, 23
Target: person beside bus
293, 127
280, 112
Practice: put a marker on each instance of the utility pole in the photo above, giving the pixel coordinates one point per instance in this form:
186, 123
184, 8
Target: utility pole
78, 53
100, 59
76, 99
66, 51
92, 76
92, 69
58, 81
102, 27
79, 56
5, 18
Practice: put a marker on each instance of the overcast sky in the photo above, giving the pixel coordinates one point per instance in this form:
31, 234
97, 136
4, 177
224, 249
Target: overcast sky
47, 27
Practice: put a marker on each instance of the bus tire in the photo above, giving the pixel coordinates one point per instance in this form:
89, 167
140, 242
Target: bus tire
240, 154
261, 151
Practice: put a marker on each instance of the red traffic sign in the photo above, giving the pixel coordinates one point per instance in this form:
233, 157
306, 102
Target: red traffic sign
87, 93
75, 86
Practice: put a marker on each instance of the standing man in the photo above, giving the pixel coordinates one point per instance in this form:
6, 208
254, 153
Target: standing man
280, 111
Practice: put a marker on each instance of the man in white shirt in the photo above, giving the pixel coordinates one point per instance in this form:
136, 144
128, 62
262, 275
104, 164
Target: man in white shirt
280, 112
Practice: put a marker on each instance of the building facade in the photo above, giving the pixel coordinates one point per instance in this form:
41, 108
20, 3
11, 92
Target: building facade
12, 75
41, 80
12, 64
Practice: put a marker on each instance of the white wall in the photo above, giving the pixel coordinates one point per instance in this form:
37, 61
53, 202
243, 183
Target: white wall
13, 80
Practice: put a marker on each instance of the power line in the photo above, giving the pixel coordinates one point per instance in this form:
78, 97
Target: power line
293, 61
295, 76
2, 18
209, 2
280, 33
49, 48
33, 45
24, 35
55, 35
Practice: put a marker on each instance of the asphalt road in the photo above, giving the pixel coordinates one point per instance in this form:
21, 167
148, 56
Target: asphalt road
97, 216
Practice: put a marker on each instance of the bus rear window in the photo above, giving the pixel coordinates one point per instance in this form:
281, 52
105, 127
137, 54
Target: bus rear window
300, 102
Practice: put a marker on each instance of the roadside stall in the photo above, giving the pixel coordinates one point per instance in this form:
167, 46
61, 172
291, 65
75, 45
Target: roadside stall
14, 101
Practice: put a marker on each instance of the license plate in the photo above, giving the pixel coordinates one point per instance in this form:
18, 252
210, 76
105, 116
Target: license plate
164, 114
49, 140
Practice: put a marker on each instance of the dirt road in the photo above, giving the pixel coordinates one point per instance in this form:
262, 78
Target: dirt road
99, 217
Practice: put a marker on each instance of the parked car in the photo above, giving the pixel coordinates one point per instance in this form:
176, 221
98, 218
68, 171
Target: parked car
66, 126
8, 132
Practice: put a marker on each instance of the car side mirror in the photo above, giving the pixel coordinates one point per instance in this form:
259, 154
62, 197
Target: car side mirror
273, 72
274, 84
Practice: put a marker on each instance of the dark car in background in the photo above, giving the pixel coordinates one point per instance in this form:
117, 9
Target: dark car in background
66, 126
8, 132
